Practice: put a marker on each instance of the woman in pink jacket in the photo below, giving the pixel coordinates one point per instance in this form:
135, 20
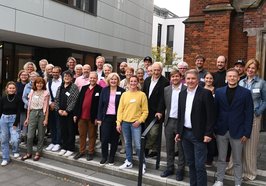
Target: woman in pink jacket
37, 117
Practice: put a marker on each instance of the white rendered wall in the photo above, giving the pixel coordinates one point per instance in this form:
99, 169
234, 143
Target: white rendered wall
121, 27
179, 33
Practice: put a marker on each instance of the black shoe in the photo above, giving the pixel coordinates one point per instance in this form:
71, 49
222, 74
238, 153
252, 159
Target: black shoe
146, 152
152, 154
179, 175
103, 161
78, 155
167, 173
111, 160
89, 157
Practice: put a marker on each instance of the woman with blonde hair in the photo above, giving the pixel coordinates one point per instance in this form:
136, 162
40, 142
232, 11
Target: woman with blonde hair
107, 113
30, 67
132, 111
257, 86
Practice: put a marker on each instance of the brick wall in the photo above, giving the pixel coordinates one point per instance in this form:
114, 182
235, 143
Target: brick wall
238, 40
221, 33
197, 6
254, 18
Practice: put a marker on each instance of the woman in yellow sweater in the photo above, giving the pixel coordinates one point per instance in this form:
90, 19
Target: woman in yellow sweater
132, 111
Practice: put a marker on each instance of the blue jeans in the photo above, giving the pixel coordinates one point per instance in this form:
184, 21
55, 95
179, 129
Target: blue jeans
195, 155
131, 133
8, 133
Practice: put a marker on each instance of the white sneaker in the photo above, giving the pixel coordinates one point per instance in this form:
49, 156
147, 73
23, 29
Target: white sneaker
144, 168
218, 183
16, 155
126, 165
68, 153
56, 148
49, 148
4, 163
62, 152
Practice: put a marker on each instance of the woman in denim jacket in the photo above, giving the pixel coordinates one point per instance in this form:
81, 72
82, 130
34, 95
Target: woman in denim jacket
257, 86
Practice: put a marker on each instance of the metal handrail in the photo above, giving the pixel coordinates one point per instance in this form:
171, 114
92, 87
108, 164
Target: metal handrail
143, 137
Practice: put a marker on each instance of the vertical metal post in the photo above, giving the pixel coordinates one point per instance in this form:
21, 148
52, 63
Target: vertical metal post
159, 146
141, 160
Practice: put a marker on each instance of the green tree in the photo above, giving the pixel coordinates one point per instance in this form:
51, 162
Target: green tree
165, 55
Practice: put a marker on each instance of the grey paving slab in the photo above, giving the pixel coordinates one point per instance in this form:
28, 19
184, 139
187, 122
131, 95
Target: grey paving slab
18, 175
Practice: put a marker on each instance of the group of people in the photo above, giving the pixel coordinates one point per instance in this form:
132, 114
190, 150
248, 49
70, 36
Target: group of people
214, 111
200, 111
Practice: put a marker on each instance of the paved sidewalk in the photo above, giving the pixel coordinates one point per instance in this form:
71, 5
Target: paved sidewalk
17, 175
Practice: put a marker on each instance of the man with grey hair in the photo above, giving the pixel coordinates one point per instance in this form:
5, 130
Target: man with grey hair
182, 68
195, 126
100, 60
154, 89
42, 65
84, 78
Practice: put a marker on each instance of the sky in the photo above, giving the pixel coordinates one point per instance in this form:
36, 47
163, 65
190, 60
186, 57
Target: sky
178, 7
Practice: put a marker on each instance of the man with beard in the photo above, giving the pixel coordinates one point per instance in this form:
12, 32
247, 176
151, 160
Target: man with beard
219, 76
84, 78
122, 68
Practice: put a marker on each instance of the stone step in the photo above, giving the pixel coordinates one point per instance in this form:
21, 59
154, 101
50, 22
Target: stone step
78, 174
152, 176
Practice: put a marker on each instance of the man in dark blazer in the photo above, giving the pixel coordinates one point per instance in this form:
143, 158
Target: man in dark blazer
195, 126
234, 124
154, 89
171, 95
86, 111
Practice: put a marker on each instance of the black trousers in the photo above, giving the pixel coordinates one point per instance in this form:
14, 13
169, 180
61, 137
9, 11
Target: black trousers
67, 132
109, 135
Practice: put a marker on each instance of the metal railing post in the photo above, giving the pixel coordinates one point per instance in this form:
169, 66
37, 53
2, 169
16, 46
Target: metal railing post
141, 160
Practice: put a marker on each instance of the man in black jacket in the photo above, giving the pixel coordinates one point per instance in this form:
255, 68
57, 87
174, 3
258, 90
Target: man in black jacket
86, 113
154, 89
195, 126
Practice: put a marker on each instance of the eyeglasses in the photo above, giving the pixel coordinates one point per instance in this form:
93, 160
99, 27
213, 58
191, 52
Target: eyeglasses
182, 68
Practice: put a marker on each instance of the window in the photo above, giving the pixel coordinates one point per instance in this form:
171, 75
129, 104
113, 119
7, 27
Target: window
159, 35
89, 6
170, 36
170, 40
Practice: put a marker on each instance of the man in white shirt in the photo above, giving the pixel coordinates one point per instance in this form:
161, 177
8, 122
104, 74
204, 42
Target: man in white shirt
195, 126
171, 95
100, 60
153, 87
52, 86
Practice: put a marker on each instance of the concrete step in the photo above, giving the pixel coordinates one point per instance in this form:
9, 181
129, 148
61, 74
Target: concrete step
152, 176
81, 175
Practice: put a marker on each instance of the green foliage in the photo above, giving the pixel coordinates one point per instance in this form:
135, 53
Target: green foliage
164, 54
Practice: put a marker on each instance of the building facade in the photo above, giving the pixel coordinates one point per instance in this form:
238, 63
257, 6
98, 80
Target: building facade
234, 28
55, 29
168, 30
